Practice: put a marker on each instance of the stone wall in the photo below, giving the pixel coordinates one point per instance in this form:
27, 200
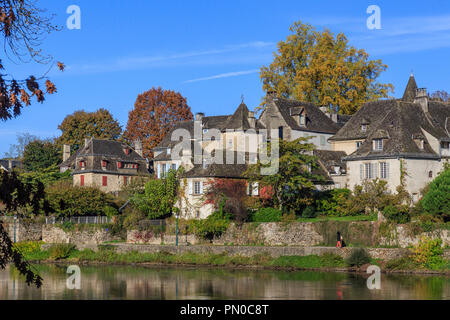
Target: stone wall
24, 230
376, 253
89, 235
364, 233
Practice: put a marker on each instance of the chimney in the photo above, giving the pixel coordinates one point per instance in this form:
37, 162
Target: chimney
422, 99
66, 152
10, 166
334, 117
138, 147
199, 116
86, 141
251, 119
325, 110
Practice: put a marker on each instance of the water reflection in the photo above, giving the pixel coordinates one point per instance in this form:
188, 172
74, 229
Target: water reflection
120, 282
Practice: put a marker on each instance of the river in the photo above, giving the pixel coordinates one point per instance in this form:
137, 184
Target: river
133, 282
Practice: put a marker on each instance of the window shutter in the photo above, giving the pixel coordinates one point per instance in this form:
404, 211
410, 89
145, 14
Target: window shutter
387, 170
201, 187
190, 187
158, 171
248, 188
375, 170
255, 190
361, 172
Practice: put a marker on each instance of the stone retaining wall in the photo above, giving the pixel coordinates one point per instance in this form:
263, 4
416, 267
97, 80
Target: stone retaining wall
376, 253
88, 236
364, 233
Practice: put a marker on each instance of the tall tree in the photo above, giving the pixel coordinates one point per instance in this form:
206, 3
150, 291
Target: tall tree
16, 150
41, 154
441, 95
23, 27
321, 68
81, 124
292, 185
155, 112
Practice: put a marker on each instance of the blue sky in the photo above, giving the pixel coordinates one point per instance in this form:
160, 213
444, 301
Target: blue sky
211, 51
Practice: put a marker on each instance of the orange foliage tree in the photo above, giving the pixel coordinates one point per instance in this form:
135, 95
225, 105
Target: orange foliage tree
23, 27
155, 113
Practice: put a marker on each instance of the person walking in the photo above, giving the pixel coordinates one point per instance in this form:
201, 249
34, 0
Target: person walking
339, 237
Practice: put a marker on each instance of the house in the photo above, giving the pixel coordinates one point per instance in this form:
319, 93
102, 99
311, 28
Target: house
10, 164
106, 164
236, 139
387, 137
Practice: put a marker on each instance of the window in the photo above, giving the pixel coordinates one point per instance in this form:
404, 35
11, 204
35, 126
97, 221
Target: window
230, 142
163, 169
430, 174
358, 144
103, 164
205, 130
368, 171
104, 181
82, 180
384, 170
364, 127
322, 140
197, 187
280, 133
378, 144
302, 120
169, 150
174, 166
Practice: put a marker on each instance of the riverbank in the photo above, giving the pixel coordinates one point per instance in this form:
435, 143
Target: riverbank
327, 261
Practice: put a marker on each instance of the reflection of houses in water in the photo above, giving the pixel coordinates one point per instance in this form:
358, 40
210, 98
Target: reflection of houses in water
200, 283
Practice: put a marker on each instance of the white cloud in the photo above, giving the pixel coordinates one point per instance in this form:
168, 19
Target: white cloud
224, 75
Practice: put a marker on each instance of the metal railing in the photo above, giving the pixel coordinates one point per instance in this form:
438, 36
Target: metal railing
79, 220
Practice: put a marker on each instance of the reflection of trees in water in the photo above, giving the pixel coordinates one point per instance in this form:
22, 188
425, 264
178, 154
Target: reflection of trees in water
128, 282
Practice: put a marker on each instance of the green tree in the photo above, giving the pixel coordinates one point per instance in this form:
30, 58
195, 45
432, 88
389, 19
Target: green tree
159, 197
294, 180
322, 68
41, 154
67, 200
81, 124
436, 200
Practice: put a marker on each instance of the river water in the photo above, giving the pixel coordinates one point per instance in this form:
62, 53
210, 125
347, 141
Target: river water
132, 282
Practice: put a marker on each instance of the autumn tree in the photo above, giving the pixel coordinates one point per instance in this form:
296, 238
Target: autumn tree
155, 113
228, 195
322, 68
23, 27
99, 124
292, 184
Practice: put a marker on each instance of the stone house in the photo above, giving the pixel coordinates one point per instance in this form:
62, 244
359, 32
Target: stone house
387, 137
106, 164
242, 134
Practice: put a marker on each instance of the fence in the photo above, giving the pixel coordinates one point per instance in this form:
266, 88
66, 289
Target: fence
79, 220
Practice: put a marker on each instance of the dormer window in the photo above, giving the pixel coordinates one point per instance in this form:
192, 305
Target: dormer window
364, 127
104, 164
169, 151
82, 164
358, 144
337, 169
378, 144
302, 120
127, 151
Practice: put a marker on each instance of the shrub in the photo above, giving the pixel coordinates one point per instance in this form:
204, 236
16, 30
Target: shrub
267, 215
27, 247
67, 200
436, 200
405, 263
309, 212
334, 202
358, 257
398, 214
213, 226
61, 250
428, 253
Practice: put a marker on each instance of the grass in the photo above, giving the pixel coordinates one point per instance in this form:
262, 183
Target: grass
346, 218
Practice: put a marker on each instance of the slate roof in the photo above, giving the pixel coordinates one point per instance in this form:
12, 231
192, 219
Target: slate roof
14, 163
223, 170
316, 120
330, 159
109, 150
398, 122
